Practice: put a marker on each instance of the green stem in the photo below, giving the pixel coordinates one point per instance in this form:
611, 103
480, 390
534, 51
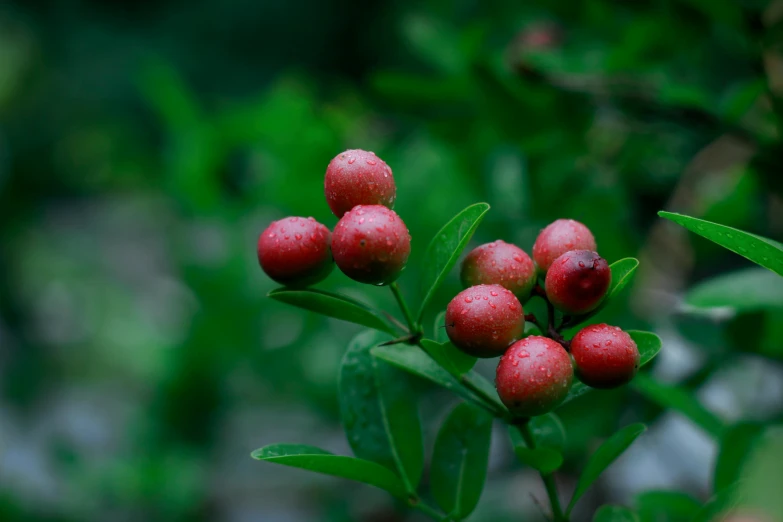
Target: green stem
548, 478
485, 399
395, 288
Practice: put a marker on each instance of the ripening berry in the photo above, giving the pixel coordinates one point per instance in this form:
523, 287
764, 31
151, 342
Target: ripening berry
371, 244
500, 263
605, 356
295, 251
558, 238
533, 376
358, 177
577, 281
483, 320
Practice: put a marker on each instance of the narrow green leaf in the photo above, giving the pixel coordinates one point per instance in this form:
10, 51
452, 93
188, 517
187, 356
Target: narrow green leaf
543, 459
439, 332
622, 274
609, 513
760, 250
447, 355
446, 247
606, 453
746, 290
333, 305
666, 506
320, 461
459, 460
649, 345
682, 401
736, 443
378, 410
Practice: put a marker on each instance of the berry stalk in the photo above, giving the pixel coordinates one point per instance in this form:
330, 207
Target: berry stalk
406, 312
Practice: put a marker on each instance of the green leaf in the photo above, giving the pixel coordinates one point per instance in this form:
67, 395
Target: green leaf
543, 459
439, 332
741, 291
609, 513
680, 400
378, 411
666, 506
548, 431
760, 250
719, 504
333, 305
606, 453
459, 460
478, 382
320, 461
622, 274
648, 344
447, 355
446, 247
736, 443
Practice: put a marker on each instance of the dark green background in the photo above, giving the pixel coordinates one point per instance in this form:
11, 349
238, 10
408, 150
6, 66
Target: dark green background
144, 145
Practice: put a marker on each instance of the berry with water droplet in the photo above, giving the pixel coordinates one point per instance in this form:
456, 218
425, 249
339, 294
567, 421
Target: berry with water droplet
366, 255
577, 281
612, 366
500, 263
535, 385
358, 177
480, 328
293, 260
558, 238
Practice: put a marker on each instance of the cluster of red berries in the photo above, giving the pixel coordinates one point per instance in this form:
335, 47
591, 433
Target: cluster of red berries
370, 243
487, 319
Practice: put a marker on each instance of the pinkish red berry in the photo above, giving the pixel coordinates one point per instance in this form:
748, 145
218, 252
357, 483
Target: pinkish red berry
558, 238
483, 320
577, 281
500, 263
357, 177
533, 376
605, 356
371, 244
294, 251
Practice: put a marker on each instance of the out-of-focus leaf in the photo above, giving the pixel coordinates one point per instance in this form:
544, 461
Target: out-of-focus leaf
736, 443
548, 431
447, 355
743, 291
543, 459
459, 460
378, 410
666, 506
446, 247
606, 453
321, 461
675, 398
609, 513
760, 250
333, 305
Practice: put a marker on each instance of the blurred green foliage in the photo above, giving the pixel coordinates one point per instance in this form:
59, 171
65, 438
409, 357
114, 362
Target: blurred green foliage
144, 145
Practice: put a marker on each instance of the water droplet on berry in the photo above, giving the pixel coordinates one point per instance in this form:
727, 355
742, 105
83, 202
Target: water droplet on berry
493, 293
468, 299
351, 160
271, 234
298, 236
287, 236
523, 354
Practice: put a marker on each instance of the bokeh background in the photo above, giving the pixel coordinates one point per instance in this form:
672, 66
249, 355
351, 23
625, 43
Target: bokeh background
145, 144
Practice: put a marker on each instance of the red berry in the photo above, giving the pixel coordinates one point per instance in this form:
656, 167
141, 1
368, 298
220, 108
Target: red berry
483, 320
500, 263
577, 281
371, 244
558, 238
605, 356
357, 177
533, 376
294, 251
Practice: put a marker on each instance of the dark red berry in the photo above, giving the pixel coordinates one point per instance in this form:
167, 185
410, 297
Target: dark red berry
533, 376
483, 320
500, 263
577, 281
294, 251
605, 356
357, 177
558, 238
371, 244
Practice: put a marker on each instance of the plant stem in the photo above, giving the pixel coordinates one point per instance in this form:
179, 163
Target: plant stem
488, 402
548, 478
395, 288
428, 510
